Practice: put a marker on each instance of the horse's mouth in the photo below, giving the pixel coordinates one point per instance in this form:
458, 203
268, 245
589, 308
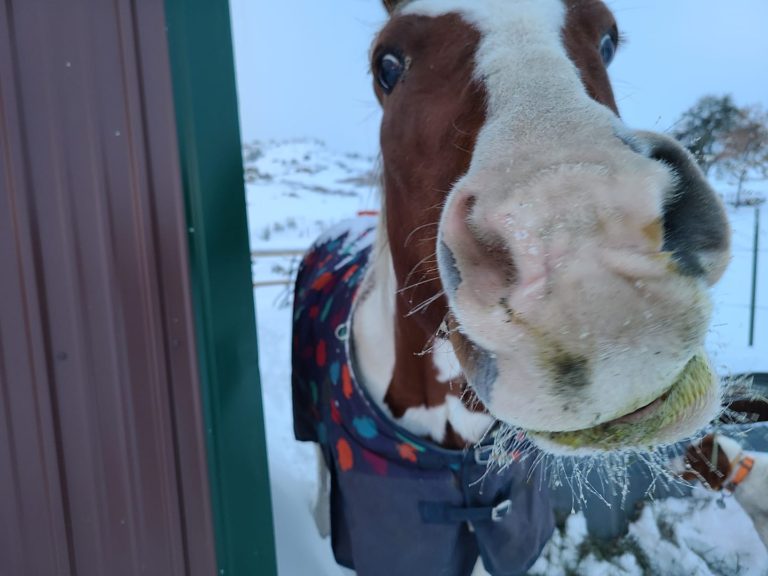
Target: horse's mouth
687, 405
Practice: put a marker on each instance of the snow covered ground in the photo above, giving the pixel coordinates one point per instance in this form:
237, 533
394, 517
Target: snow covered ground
298, 189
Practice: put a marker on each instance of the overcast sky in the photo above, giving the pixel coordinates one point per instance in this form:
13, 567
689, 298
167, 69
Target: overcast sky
303, 69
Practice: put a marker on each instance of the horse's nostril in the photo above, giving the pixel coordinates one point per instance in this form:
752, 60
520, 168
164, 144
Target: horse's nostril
695, 225
473, 247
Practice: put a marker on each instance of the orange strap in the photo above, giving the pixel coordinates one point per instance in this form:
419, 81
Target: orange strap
745, 467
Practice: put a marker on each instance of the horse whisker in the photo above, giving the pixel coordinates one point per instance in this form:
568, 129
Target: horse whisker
417, 284
427, 258
424, 305
408, 238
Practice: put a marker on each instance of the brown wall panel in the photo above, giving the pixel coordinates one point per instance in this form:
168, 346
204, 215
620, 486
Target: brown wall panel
102, 463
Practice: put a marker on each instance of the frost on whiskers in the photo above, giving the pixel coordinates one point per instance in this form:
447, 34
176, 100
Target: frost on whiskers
602, 476
610, 477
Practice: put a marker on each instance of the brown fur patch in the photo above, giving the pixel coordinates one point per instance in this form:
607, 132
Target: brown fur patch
586, 23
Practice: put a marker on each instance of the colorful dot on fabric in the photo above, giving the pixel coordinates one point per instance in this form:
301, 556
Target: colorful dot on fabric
320, 354
326, 310
346, 382
344, 452
377, 463
335, 371
322, 281
322, 433
335, 414
410, 443
366, 427
349, 273
407, 452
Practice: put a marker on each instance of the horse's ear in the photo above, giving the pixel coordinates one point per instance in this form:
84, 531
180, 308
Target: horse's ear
390, 5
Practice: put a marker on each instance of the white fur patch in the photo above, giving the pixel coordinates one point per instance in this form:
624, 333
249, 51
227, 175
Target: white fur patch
445, 361
373, 323
432, 422
469, 425
424, 421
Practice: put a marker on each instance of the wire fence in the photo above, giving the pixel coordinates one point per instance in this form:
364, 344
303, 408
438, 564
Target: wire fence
287, 274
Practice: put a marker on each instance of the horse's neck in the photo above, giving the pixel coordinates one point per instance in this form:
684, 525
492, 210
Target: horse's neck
414, 377
373, 322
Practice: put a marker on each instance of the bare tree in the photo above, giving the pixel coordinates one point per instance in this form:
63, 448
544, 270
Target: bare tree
744, 155
703, 128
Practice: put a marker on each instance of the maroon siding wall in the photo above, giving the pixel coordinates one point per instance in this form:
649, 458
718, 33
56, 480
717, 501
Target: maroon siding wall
102, 461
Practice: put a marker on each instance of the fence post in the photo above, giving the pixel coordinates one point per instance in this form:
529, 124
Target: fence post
754, 278
200, 45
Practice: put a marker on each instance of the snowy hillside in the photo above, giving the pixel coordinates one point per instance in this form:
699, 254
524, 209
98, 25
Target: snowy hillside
296, 190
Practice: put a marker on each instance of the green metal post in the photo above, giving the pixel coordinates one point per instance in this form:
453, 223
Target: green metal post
754, 279
200, 44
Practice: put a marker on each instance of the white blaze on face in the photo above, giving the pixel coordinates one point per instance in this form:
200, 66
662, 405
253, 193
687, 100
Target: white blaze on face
533, 88
580, 213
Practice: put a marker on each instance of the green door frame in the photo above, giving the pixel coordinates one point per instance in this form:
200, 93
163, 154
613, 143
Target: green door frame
200, 45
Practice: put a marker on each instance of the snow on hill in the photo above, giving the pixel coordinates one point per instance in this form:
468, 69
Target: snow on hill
295, 191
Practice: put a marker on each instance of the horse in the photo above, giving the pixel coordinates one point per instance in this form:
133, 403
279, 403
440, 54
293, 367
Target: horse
720, 464
536, 282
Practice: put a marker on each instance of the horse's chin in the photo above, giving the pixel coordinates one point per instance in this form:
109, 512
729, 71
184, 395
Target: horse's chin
689, 404
679, 411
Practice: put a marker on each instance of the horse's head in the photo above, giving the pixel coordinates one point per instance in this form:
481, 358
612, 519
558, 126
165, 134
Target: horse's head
574, 253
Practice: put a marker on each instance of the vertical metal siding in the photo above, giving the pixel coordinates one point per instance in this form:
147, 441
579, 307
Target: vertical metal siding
102, 462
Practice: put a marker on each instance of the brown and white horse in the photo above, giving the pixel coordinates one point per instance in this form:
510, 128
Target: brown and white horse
537, 262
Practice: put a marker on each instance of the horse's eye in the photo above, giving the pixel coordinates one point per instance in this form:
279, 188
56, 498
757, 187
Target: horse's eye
607, 49
388, 71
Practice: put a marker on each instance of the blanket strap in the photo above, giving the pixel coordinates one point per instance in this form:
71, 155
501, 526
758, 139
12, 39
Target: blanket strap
447, 513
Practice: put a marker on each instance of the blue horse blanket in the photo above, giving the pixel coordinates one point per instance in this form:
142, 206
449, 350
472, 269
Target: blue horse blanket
400, 504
